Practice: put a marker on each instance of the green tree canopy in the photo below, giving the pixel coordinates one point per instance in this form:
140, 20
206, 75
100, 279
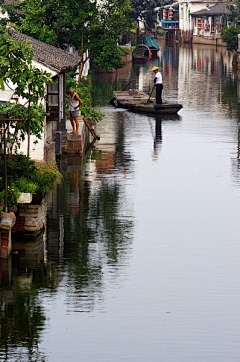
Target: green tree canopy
230, 37
88, 25
16, 66
234, 11
143, 10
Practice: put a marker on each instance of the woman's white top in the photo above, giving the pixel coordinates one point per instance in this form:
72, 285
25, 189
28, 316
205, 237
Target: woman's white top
72, 103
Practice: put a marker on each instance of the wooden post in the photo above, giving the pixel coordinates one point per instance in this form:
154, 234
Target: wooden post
5, 167
91, 129
28, 146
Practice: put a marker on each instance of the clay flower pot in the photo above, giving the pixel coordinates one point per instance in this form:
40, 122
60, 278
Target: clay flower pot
37, 198
7, 218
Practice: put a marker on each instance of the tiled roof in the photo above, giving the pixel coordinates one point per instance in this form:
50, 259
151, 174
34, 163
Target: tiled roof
218, 9
9, 2
52, 57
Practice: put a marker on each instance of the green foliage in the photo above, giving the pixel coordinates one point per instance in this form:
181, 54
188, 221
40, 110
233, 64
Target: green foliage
29, 82
230, 37
47, 176
18, 166
143, 10
33, 119
234, 11
83, 89
107, 59
12, 195
16, 65
85, 24
27, 175
23, 185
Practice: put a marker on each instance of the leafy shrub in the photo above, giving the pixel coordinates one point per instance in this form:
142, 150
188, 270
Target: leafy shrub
12, 195
230, 37
26, 175
47, 176
24, 185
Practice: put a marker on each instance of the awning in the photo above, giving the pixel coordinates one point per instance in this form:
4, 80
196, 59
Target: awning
6, 95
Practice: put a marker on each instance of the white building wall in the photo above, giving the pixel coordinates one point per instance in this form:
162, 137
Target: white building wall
186, 22
36, 150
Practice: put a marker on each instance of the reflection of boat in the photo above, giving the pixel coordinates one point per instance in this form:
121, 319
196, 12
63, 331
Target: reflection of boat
140, 54
137, 101
151, 43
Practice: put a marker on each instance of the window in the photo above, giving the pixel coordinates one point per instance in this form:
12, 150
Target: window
53, 95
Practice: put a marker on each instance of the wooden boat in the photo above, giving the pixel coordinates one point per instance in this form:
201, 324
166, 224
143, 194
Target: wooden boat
138, 101
166, 108
151, 43
140, 54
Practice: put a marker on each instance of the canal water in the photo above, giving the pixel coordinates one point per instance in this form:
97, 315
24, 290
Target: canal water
141, 256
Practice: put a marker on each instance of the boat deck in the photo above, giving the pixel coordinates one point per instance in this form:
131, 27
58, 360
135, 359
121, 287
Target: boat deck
138, 101
132, 96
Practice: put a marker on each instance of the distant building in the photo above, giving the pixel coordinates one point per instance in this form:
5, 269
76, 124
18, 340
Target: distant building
201, 21
208, 24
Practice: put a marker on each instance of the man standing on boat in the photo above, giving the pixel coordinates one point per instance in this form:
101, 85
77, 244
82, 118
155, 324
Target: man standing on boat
74, 103
158, 84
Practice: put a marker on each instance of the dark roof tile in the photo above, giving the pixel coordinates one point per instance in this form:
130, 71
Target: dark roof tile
217, 9
52, 57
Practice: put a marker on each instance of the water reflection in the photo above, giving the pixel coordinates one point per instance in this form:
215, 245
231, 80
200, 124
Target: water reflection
22, 314
156, 122
98, 222
157, 139
97, 236
116, 213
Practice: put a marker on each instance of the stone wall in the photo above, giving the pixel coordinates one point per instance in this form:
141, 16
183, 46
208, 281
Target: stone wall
209, 40
30, 219
73, 144
6, 243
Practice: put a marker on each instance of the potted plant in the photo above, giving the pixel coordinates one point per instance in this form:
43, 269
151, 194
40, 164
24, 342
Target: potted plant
28, 176
46, 176
12, 197
26, 188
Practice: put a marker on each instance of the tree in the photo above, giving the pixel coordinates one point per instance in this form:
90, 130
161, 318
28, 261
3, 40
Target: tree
234, 11
87, 25
230, 34
144, 11
230, 37
29, 84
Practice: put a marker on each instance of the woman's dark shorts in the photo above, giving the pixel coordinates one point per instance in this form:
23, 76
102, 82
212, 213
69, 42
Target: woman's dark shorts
74, 113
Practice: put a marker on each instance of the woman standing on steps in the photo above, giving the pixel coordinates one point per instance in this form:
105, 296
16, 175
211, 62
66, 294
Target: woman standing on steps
74, 103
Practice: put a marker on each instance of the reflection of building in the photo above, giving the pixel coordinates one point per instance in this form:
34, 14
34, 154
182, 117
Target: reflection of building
200, 75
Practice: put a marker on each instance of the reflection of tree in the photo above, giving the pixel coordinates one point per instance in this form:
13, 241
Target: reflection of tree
22, 315
229, 96
21, 326
112, 228
97, 237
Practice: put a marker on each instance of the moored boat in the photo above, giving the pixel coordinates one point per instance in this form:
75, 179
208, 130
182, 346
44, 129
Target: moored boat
141, 54
138, 101
151, 43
